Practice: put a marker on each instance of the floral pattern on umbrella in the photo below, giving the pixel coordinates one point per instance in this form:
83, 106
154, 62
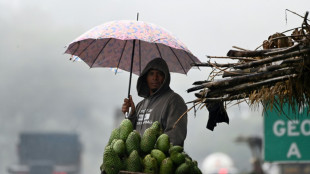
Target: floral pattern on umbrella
111, 45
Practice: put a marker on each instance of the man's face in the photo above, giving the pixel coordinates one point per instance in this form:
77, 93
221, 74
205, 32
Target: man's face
155, 79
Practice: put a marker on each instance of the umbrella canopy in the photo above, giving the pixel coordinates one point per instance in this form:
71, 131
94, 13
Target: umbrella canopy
111, 45
130, 45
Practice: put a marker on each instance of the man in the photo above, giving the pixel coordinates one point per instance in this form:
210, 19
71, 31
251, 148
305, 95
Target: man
160, 103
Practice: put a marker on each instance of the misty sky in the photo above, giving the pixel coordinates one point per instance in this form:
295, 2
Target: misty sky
41, 90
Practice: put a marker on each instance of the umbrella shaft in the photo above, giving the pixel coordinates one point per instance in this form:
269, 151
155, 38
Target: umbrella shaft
131, 65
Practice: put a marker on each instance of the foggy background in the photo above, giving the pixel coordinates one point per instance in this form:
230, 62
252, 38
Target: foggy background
42, 91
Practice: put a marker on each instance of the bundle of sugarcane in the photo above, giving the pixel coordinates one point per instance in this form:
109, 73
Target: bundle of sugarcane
277, 74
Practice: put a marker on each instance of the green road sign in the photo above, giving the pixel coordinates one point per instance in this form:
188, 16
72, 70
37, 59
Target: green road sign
287, 140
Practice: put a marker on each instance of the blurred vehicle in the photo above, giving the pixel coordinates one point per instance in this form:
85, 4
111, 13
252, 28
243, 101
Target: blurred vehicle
218, 163
48, 153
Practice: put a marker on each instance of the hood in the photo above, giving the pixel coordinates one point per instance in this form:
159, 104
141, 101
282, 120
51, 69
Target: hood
160, 65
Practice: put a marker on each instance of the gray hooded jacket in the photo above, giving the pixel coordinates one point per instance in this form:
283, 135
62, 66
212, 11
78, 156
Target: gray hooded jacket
164, 106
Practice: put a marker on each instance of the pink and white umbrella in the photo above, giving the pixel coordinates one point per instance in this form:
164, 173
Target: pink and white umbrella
130, 45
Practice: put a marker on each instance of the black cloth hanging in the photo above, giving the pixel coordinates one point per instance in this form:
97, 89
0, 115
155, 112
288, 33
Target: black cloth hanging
217, 114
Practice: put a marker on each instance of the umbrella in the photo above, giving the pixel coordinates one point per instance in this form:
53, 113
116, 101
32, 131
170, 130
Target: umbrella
130, 45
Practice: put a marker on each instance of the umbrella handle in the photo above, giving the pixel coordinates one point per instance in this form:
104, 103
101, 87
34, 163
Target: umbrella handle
127, 113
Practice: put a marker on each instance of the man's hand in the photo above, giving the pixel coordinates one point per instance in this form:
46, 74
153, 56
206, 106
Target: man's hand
128, 103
